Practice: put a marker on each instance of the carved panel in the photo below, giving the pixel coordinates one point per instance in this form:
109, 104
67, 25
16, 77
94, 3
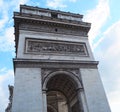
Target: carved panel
56, 47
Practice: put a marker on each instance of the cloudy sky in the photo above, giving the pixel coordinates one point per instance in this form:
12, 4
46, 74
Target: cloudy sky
104, 38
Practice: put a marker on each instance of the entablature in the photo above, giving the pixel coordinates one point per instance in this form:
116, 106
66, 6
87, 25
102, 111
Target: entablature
23, 17
53, 63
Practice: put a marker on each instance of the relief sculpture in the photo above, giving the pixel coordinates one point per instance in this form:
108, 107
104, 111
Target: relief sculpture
55, 47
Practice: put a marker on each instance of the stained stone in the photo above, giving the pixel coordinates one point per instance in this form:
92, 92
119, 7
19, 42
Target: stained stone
55, 70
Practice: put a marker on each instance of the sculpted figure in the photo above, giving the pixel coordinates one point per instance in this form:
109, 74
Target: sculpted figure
8, 109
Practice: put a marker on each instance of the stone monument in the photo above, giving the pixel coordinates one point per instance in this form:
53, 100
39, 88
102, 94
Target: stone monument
54, 67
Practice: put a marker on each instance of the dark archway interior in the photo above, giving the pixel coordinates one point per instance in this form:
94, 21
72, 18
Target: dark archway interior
64, 84
51, 108
62, 91
56, 102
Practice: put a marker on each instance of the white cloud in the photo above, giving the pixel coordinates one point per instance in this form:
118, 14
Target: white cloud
4, 15
97, 17
3, 21
110, 42
115, 102
72, 0
114, 98
22, 1
1, 3
6, 78
108, 52
6, 35
15, 4
112, 38
56, 4
7, 40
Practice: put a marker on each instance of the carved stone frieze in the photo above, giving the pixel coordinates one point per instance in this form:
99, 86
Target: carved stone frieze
45, 46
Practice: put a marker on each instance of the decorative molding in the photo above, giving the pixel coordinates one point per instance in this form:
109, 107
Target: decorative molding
22, 63
53, 28
39, 46
24, 17
46, 71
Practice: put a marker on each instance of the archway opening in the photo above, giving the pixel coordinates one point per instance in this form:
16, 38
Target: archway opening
56, 102
62, 94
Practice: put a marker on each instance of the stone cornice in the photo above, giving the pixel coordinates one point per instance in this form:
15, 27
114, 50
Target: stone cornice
38, 19
54, 63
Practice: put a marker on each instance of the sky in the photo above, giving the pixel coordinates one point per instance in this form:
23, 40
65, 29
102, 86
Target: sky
104, 38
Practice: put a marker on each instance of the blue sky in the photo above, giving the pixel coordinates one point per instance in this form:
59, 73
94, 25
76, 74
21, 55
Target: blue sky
104, 38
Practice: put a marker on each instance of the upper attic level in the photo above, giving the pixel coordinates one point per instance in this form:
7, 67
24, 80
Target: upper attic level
54, 34
55, 14
36, 14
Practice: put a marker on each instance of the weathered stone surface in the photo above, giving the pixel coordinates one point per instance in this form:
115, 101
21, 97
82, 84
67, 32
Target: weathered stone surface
55, 70
27, 91
93, 90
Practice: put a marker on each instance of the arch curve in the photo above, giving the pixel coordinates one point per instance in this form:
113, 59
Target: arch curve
72, 76
63, 82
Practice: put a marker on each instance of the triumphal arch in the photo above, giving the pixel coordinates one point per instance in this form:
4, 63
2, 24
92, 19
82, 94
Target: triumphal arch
54, 67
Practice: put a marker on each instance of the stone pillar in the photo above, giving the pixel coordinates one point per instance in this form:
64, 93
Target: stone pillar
44, 101
94, 92
27, 96
82, 101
